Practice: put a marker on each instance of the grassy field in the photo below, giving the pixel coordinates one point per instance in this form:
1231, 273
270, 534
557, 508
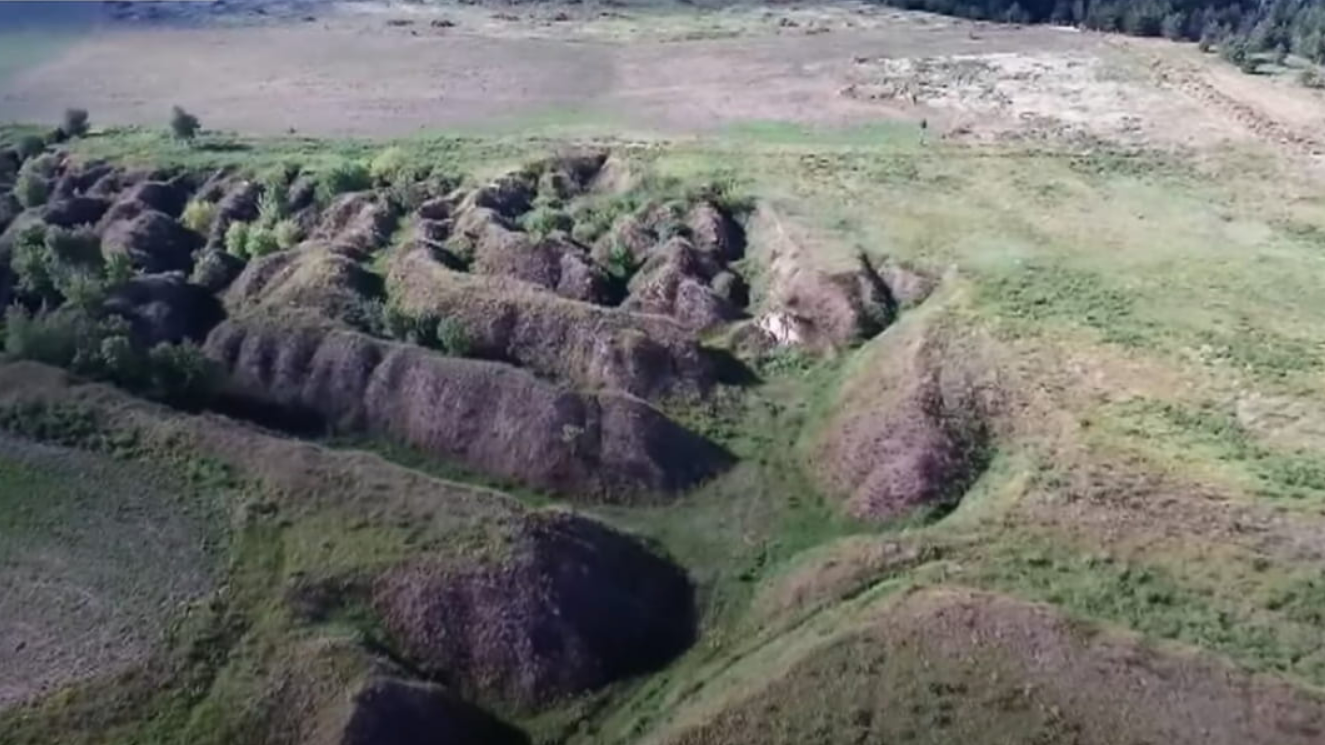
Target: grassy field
1169, 311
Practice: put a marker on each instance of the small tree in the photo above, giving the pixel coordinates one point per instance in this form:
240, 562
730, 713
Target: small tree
183, 124
75, 122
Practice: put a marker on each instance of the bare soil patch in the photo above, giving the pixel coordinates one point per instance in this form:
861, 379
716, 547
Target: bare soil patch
1039, 96
96, 558
359, 75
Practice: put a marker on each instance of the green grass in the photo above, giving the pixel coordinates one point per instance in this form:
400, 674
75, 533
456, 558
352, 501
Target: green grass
1213, 274
1275, 635
1210, 436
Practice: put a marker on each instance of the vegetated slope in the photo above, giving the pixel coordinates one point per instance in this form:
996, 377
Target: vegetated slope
543, 605
945, 664
295, 256
1121, 474
911, 427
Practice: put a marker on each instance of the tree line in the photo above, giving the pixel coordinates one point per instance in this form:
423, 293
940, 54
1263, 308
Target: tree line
1277, 26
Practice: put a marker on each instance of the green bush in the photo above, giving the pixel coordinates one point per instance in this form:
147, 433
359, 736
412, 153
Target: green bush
236, 239
452, 337
272, 204
31, 189
30, 262
118, 269
391, 166
51, 337
74, 246
542, 221
51, 262
30, 146
71, 338
74, 123
345, 176
84, 290
261, 242
183, 125
621, 262
288, 234
198, 216
182, 375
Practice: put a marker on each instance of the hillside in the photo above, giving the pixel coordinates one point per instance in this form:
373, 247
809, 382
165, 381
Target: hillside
907, 380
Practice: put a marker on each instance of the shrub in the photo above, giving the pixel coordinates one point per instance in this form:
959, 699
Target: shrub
51, 338
74, 123
71, 338
541, 221
452, 337
1311, 78
119, 269
620, 261
390, 166
183, 125
344, 176
369, 315
30, 146
279, 176
30, 262
261, 242
31, 189
182, 375
271, 205
288, 234
74, 247
54, 263
83, 289
236, 239
198, 216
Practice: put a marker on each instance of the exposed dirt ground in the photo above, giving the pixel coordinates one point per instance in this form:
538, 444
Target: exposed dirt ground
385, 69
94, 557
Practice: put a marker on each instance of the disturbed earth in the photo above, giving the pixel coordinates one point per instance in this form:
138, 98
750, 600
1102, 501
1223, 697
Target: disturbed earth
640, 373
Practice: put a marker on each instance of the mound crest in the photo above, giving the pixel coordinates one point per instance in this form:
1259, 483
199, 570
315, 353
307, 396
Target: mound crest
490, 417
505, 319
818, 295
909, 428
576, 607
315, 277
